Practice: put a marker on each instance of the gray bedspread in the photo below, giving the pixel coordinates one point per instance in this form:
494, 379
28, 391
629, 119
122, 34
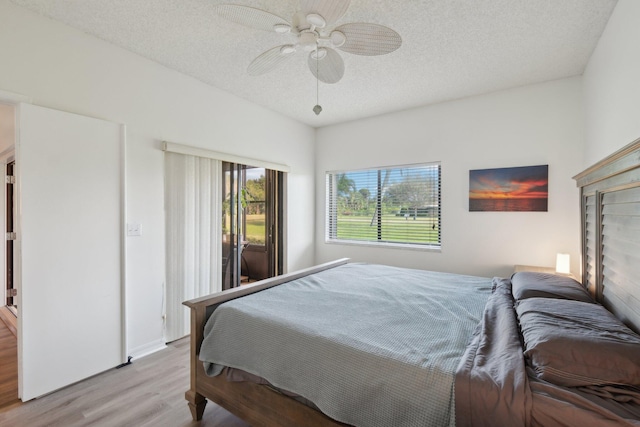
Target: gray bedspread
370, 345
494, 386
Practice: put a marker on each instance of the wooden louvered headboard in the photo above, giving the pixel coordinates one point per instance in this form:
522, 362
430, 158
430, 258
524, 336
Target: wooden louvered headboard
610, 217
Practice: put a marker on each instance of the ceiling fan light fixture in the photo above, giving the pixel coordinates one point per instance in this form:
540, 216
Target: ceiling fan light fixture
308, 40
338, 38
287, 49
282, 28
316, 20
319, 53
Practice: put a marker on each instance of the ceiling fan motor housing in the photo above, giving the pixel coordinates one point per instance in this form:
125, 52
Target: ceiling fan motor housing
308, 40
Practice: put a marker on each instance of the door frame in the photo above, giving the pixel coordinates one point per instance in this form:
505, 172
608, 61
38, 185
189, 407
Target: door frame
5, 158
272, 250
275, 221
10, 99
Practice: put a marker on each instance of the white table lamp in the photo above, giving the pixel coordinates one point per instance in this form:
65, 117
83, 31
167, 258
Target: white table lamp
563, 264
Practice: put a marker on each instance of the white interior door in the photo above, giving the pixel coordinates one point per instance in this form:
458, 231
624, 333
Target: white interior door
69, 248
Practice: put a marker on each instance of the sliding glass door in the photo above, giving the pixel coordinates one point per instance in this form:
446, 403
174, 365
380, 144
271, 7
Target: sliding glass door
223, 227
251, 224
232, 224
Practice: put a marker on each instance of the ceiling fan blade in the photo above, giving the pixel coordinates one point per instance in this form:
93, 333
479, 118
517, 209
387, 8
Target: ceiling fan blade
328, 69
330, 10
269, 60
251, 17
369, 39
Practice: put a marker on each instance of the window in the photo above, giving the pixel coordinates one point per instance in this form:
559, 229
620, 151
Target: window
397, 205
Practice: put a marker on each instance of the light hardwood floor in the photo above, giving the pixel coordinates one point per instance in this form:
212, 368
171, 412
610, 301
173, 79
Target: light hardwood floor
8, 367
149, 392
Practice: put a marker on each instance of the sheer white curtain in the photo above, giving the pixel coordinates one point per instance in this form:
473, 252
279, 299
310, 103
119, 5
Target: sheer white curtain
193, 235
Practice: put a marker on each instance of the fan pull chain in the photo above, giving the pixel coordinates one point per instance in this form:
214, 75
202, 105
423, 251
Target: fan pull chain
317, 109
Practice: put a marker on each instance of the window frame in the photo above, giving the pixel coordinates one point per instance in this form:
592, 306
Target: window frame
331, 208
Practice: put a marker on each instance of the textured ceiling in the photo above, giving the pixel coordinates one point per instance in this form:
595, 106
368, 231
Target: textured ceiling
451, 48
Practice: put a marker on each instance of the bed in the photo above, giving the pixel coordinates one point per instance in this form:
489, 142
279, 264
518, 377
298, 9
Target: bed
337, 344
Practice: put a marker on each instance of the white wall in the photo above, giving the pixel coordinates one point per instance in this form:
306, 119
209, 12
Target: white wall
62, 68
532, 125
612, 85
7, 127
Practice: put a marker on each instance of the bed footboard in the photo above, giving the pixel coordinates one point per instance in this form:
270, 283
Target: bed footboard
254, 403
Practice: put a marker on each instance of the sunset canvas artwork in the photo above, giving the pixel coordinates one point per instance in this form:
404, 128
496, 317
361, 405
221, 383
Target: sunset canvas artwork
519, 189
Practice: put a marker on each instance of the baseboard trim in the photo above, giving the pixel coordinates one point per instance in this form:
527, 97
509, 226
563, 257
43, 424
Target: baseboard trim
147, 349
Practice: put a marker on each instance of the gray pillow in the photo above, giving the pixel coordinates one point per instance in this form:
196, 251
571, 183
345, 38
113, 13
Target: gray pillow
542, 285
572, 343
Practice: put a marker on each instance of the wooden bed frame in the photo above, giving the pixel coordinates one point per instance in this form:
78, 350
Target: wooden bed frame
263, 406
600, 186
257, 404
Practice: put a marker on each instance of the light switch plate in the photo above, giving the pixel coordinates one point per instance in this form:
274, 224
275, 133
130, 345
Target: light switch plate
134, 229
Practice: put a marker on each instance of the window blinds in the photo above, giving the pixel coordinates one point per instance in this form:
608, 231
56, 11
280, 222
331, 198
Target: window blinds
193, 217
399, 205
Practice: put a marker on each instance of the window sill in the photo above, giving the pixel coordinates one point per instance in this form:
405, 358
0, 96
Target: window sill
386, 245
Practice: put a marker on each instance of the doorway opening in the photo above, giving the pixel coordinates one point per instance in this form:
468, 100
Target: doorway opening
8, 292
251, 224
11, 291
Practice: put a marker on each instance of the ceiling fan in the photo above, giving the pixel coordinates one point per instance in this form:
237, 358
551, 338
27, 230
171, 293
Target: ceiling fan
314, 31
